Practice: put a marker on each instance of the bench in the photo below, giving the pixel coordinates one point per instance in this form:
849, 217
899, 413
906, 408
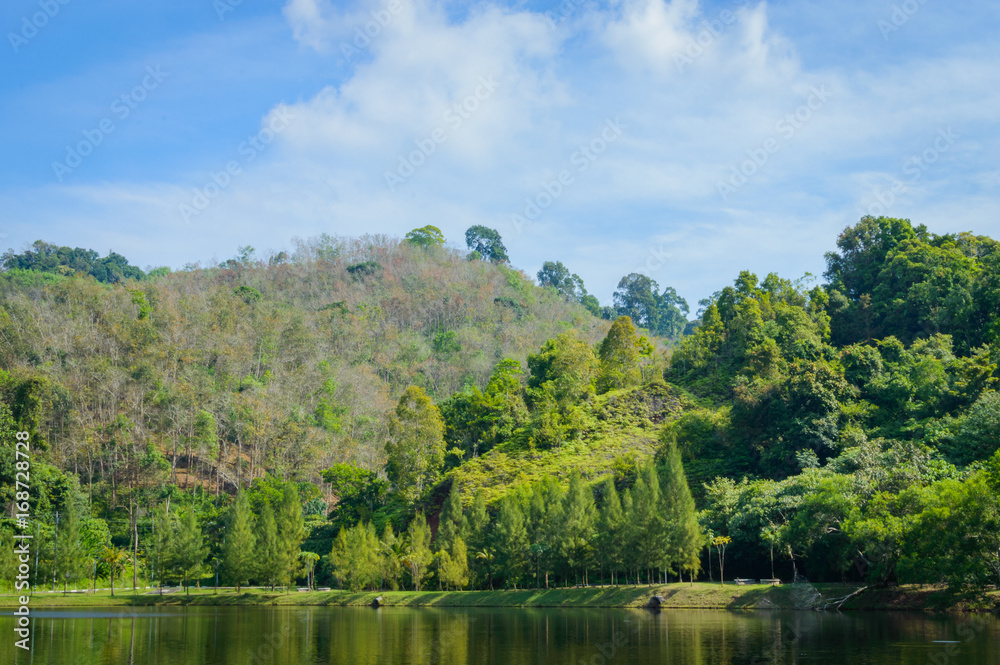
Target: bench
742, 582
774, 582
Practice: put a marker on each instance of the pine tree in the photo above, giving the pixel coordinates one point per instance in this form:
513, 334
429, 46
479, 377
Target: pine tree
576, 543
477, 527
291, 532
269, 555
419, 554
390, 557
452, 523
684, 532
188, 548
72, 564
511, 539
453, 567
610, 526
238, 551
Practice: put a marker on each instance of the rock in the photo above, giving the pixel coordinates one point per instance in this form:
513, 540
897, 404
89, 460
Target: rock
655, 602
377, 602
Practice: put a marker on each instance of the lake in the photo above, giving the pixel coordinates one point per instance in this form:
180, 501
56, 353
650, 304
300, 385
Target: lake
390, 636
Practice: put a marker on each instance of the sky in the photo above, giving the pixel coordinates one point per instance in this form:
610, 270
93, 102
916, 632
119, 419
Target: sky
684, 140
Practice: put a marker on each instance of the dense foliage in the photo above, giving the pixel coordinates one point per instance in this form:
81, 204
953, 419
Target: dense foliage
377, 413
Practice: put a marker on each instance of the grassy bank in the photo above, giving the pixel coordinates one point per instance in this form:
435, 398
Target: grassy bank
676, 596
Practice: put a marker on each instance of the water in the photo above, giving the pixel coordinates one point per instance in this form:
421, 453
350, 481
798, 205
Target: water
390, 636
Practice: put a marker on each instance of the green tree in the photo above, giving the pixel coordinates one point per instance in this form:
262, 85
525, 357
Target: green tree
619, 354
558, 276
188, 548
453, 565
578, 526
511, 540
418, 554
425, 236
452, 523
238, 550
609, 528
415, 450
391, 555
684, 536
73, 559
291, 533
269, 552
487, 243
355, 556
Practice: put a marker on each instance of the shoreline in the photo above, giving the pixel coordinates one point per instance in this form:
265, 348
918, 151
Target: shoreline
678, 596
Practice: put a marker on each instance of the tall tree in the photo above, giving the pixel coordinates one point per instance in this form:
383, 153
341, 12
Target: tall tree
452, 524
511, 539
269, 553
418, 554
487, 243
620, 353
189, 550
578, 526
291, 533
238, 550
684, 535
609, 528
72, 563
415, 450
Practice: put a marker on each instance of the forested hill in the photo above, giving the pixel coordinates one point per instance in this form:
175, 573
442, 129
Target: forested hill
289, 364
847, 430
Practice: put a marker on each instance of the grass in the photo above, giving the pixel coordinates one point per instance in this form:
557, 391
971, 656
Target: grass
676, 596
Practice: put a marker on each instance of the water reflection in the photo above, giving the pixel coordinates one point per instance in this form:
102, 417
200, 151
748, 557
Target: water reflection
389, 636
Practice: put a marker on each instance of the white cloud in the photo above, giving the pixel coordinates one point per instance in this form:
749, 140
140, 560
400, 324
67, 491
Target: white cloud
701, 92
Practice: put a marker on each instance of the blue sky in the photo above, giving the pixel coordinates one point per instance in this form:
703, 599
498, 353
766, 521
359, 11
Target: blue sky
681, 139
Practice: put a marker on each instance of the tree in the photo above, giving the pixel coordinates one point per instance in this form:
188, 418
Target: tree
558, 276
609, 528
619, 354
418, 555
355, 556
116, 559
452, 523
238, 550
511, 540
453, 565
391, 555
359, 493
188, 548
637, 299
415, 450
72, 563
425, 236
684, 535
720, 543
478, 526
269, 554
576, 542
291, 533
487, 243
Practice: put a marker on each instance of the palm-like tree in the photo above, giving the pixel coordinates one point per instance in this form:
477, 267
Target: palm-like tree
488, 556
310, 559
116, 559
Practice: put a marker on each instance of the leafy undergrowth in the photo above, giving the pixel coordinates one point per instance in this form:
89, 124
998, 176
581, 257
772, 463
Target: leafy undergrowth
618, 430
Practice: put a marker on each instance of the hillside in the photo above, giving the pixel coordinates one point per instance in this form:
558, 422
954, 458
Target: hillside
288, 364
